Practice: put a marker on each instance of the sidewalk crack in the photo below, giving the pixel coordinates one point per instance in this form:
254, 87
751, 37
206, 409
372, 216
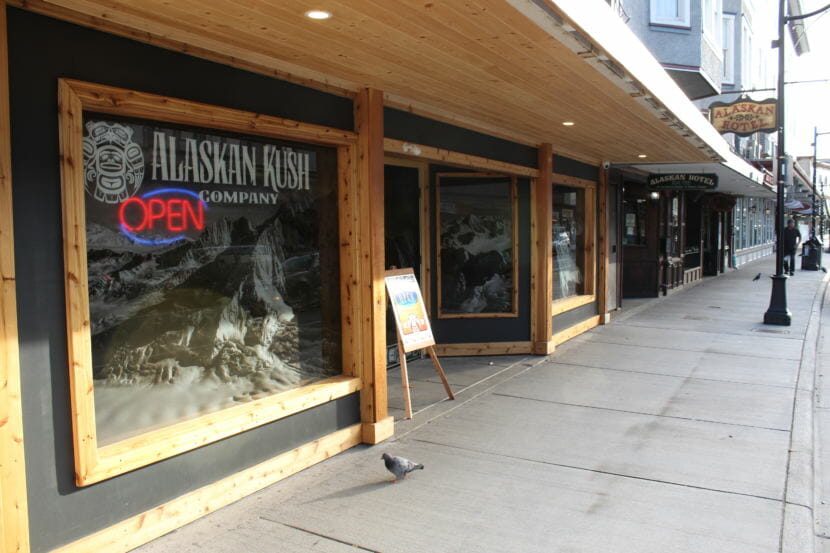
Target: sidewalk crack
597, 471
641, 413
321, 535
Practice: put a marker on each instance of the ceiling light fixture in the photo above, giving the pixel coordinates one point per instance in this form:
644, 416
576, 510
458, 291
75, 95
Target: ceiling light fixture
642, 156
317, 14
568, 123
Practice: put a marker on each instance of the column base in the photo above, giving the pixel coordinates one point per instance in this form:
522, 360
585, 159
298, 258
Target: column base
778, 313
376, 432
544, 348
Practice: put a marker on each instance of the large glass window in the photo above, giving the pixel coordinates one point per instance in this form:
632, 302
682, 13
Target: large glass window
712, 22
213, 270
670, 12
728, 48
569, 234
754, 222
746, 54
202, 273
477, 245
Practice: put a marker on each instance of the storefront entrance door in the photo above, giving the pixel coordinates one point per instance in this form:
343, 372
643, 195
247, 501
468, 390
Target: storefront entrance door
402, 212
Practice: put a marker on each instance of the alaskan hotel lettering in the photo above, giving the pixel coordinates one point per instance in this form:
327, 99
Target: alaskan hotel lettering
215, 162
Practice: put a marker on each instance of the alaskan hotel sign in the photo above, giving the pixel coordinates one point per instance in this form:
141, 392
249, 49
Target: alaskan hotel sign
744, 117
683, 181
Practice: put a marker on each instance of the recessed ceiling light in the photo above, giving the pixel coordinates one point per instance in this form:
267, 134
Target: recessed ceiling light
317, 14
641, 156
568, 123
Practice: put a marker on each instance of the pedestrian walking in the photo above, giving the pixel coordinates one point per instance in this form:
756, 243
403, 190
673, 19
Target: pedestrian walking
792, 239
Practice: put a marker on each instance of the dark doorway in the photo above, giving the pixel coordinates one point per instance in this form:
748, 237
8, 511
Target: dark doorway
402, 227
640, 219
712, 240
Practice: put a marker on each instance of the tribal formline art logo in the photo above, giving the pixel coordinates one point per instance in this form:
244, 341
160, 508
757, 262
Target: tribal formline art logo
113, 173
113, 163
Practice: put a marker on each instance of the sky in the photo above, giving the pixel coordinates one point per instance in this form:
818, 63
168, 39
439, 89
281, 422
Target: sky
808, 105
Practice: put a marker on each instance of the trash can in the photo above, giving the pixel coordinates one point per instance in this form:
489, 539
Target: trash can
811, 255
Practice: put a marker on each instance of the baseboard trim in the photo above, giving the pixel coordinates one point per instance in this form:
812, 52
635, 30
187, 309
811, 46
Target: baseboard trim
149, 525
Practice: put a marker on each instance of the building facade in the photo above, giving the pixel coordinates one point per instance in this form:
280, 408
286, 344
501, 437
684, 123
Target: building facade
199, 207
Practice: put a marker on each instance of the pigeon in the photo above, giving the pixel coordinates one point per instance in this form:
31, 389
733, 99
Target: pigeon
757, 277
823, 270
399, 466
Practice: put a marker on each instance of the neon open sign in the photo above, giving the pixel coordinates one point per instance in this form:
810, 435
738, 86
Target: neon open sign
164, 212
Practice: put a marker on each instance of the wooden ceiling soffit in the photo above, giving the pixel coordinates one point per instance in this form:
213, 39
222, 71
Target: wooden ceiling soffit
545, 14
95, 16
525, 68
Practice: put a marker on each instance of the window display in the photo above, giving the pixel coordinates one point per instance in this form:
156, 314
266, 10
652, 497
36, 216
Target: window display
213, 270
568, 242
477, 245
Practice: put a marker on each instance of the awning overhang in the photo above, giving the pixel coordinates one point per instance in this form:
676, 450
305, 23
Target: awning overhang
735, 176
513, 68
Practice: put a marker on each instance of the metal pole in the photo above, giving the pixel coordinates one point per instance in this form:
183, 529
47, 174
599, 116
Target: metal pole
815, 162
778, 313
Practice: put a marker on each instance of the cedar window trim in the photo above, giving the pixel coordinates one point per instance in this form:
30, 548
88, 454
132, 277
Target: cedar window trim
94, 463
514, 204
572, 302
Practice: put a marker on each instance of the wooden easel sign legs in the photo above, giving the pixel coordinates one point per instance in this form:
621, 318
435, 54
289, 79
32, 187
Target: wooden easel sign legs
412, 323
407, 399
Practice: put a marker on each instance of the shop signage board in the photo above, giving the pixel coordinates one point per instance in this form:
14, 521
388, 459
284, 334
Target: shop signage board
744, 117
683, 181
413, 327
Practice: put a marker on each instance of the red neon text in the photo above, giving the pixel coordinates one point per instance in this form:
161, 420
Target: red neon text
172, 214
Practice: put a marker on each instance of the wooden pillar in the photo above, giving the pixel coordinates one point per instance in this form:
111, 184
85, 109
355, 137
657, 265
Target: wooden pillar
542, 228
14, 516
377, 424
602, 247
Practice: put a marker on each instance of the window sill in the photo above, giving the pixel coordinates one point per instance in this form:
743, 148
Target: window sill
566, 304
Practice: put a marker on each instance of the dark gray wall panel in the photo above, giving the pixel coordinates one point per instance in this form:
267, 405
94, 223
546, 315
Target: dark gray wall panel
41, 50
402, 125
573, 168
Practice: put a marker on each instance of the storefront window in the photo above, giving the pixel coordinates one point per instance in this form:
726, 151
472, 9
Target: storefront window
634, 222
754, 222
477, 245
213, 270
569, 242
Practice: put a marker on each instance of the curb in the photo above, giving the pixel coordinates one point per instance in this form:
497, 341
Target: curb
797, 529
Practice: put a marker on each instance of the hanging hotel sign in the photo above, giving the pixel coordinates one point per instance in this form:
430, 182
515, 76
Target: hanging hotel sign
744, 117
683, 181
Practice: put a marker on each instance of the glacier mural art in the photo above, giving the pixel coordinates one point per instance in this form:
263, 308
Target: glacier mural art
243, 303
477, 250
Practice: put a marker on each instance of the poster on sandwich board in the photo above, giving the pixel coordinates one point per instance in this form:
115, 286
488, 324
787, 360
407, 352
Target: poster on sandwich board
410, 312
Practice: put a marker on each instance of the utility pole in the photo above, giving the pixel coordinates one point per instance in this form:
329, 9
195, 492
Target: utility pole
778, 313
816, 134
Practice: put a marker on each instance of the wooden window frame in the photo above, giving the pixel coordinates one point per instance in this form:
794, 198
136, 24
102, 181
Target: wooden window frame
515, 238
94, 463
590, 187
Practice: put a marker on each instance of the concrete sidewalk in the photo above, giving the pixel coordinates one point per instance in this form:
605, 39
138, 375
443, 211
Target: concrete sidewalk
680, 427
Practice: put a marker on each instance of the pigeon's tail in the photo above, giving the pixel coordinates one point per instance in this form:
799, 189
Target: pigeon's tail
418, 466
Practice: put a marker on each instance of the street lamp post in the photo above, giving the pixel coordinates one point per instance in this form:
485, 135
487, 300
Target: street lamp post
778, 313
816, 134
